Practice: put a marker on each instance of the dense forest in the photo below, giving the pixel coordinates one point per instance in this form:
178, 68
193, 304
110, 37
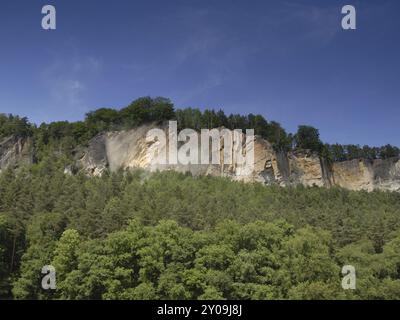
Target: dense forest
165, 235
136, 235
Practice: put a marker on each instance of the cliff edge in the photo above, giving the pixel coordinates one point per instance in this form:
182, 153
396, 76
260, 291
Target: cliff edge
130, 149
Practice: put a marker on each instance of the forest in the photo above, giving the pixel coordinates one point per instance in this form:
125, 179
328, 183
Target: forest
165, 235
136, 235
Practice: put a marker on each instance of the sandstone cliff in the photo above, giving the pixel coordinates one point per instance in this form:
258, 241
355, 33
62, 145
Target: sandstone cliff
129, 149
15, 151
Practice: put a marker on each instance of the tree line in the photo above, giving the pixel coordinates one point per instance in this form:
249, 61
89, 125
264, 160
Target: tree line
64, 136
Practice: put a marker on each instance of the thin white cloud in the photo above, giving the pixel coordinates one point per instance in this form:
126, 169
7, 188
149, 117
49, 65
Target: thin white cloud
67, 80
320, 23
185, 96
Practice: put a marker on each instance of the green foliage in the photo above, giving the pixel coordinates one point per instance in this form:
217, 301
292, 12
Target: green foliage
4, 256
349, 152
307, 138
14, 125
209, 119
145, 110
62, 139
134, 235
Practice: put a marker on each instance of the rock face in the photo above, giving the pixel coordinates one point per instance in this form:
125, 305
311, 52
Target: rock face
130, 149
368, 175
15, 151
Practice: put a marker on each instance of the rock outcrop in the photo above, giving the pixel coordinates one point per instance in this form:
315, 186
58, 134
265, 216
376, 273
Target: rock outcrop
130, 149
15, 151
361, 174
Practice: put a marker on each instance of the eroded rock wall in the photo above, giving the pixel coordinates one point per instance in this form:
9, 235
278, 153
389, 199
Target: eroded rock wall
361, 174
15, 151
130, 149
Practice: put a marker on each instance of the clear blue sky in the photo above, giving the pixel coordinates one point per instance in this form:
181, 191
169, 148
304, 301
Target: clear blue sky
286, 59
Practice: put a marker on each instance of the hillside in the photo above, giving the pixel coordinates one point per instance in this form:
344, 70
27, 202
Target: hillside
168, 235
129, 150
111, 139
112, 151
87, 199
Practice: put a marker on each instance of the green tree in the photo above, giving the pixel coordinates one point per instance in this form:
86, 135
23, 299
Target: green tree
307, 138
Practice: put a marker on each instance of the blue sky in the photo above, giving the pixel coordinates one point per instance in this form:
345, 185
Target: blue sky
289, 60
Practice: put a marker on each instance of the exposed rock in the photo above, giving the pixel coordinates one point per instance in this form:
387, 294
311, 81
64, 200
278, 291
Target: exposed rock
94, 158
129, 149
15, 151
387, 174
306, 169
354, 175
368, 175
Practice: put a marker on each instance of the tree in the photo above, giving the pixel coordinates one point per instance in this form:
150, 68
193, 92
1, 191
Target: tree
389, 151
14, 125
353, 152
102, 119
146, 109
307, 138
4, 257
66, 255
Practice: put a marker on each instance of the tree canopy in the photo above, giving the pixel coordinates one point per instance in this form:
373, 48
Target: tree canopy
64, 137
136, 235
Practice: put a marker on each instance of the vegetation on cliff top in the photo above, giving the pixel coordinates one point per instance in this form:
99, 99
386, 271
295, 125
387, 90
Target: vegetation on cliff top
65, 136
